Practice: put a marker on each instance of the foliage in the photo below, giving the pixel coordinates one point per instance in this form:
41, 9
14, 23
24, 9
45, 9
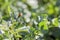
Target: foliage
27, 19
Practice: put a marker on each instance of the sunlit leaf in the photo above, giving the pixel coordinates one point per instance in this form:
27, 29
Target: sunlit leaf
55, 22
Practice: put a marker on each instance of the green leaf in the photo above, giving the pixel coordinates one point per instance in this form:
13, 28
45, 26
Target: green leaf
55, 22
44, 24
50, 11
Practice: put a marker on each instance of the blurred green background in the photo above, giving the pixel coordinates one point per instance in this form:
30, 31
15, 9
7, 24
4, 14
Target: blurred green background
29, 19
